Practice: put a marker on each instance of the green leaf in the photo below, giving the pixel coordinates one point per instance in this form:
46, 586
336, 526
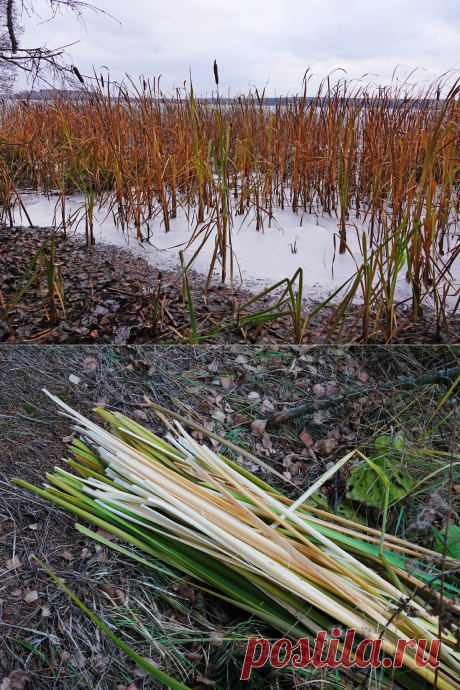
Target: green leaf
397, 442
318, 500
453, 541
364, 486
344, 508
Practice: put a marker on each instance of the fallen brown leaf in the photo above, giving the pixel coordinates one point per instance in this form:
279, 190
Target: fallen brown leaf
106, 535
295, 468
66, 554
31, 596
205, 681
101, 557
13, 563
140, 672
267, 406
116, 595
319, 390
266, 441
185, 592
326, 446
140, 415
78, 660
219, 415
305, 437
320, 415
312, 455
99, 662
16, 680
90, 364
226, 381
258, 427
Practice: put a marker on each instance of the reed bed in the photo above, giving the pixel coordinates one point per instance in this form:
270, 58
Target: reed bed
388, 162
196, 510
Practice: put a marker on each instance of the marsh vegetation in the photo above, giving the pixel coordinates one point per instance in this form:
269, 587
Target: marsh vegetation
383, 166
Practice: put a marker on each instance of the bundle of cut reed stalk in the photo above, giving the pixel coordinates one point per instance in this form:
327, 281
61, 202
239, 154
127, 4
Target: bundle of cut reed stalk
196, 510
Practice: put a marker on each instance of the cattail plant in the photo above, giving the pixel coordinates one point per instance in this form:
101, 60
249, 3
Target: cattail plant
300, 569
388, 158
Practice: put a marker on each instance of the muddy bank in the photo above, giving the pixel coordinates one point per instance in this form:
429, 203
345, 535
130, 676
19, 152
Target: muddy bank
108, 299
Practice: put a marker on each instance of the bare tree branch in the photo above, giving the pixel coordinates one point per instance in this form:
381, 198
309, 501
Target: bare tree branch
49, 66
9, 23
408, 383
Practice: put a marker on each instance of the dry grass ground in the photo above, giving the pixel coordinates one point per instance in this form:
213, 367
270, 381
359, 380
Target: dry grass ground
45, 639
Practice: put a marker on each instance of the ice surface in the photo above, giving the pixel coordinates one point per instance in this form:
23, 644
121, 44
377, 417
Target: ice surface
263, 258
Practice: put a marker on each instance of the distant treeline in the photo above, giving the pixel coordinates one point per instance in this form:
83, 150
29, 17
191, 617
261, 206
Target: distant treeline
45, 94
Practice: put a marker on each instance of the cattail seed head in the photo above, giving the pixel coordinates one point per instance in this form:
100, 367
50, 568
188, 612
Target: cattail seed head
77, 72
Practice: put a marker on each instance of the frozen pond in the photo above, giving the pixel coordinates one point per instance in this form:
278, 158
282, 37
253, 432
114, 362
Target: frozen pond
262, 258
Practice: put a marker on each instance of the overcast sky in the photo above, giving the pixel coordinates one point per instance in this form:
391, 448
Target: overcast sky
257, 42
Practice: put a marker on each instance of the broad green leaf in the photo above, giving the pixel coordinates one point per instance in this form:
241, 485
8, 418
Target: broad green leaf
384, 442
346, 510
453, 541
318, 500
344, 507
364, 486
